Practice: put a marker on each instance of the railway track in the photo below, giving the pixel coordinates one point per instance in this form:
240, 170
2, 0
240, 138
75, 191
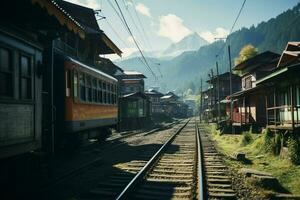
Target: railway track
114, 143
218, 180
171, 173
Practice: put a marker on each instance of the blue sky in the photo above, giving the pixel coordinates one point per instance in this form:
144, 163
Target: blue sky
168, 21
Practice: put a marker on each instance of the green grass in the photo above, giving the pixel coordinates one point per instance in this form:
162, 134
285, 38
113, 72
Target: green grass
287, 173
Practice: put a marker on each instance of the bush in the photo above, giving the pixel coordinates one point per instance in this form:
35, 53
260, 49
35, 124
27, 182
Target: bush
246, 138
268, 141
294, 149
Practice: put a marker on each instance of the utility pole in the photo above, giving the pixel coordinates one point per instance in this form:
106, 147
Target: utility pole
218, 92
200, 109
230, 81
213, 96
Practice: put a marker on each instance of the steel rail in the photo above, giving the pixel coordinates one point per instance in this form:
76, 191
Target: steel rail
199, 163
72, 172
139, 176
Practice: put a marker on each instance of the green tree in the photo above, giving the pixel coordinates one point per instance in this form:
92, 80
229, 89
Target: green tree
246, 52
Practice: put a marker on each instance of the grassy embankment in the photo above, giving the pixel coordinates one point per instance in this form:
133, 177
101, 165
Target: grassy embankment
254, 146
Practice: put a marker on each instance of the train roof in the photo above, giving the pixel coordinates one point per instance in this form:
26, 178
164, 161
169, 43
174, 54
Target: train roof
93, 69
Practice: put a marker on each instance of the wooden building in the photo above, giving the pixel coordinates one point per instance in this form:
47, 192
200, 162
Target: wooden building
283, 91
155, 98
131, 82
134, 106
249, 103
218, 90
173, 106
27, 31
134, 111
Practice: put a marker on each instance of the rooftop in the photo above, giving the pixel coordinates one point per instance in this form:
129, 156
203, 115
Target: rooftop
262, 59
86, 17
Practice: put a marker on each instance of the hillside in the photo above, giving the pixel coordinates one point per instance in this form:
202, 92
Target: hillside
179, 72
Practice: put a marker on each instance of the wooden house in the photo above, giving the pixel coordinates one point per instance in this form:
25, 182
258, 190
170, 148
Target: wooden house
134, 105
249, 103
27, 31
134, 111
218, 91
155, 98
282, 95
131, 82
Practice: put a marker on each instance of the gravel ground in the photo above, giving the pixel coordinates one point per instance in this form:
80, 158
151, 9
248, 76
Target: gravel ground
126, 150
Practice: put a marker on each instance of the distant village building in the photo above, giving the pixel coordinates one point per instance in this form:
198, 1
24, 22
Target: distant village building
156, 102
134, 105
172, 106
215, 95
131, 81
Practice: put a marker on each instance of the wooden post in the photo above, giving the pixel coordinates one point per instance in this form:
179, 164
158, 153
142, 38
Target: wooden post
213, 94
292, 106
275, 115
267, 117
200, 110
244, 107
218, 92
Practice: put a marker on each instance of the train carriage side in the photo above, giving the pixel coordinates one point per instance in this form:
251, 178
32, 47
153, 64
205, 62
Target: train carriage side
89, 105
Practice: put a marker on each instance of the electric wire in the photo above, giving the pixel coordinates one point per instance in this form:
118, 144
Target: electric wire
232, 27
137, 45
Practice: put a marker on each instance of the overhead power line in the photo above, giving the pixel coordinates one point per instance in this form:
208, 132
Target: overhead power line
232, 27
137, 45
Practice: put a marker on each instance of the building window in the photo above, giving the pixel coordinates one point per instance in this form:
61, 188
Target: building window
6, 73
247, 83
82, 86
89, 88
75, 84
25, 77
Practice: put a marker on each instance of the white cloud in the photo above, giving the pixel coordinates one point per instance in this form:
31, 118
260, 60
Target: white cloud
130, 39
144, 10
171, 26
210, 36
94, 4
126, 52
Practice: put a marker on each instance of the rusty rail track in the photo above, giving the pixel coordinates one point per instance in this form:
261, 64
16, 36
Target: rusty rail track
79, 168
174, 172
218, 182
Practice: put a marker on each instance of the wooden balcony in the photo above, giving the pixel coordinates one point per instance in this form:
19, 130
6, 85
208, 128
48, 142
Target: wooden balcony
284, 117
240, 118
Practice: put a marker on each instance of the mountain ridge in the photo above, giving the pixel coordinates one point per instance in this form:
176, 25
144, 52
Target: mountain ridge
190, 66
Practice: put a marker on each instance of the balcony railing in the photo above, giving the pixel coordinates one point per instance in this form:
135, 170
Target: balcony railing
240, 117
284, 116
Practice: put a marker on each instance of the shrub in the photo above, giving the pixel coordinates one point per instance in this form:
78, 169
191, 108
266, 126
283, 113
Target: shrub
278, 138
294, 149
268, 141
246, 138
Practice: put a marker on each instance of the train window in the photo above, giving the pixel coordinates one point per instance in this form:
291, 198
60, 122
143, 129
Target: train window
89, 88
6, 73
25, 77
68, 84
108, 93
104, 92
100, 91
95, 96
75, 84
82, 86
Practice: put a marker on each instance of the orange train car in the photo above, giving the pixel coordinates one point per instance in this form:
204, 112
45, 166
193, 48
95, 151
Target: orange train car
86, 100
